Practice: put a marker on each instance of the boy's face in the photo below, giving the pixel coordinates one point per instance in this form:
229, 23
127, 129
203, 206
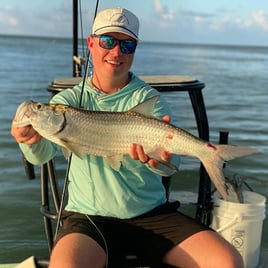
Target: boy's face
110, 63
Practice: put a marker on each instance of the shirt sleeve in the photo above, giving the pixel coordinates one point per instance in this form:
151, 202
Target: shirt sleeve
39, 153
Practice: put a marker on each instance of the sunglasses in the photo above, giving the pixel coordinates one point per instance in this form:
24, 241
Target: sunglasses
109, 42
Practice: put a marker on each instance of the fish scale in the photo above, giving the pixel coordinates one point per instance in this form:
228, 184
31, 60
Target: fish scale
113, 140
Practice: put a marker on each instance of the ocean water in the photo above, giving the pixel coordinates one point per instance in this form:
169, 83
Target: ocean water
235, 97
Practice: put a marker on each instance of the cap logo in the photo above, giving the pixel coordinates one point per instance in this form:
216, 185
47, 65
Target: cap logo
120, 19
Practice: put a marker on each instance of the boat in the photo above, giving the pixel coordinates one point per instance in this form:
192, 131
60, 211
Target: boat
51, 194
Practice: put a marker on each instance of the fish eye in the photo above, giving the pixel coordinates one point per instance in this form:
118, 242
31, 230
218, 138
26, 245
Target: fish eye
39, 106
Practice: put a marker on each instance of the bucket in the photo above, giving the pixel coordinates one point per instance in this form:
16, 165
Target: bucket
241, 224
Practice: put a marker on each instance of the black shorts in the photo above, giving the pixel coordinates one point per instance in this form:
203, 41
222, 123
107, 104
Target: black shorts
149, 236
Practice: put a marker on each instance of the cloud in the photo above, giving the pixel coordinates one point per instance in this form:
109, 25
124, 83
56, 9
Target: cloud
227, 19
7, 19
220, 23
32, 21
189, 25
12, 21
162, 11
8, 8
261, 19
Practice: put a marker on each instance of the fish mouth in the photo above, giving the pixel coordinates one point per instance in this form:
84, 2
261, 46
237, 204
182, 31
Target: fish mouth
23, 114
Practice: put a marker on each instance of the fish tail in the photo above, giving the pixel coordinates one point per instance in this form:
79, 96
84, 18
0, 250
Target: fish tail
219, 154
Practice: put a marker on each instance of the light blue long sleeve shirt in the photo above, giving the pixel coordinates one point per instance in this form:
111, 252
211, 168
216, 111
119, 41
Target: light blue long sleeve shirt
94, 187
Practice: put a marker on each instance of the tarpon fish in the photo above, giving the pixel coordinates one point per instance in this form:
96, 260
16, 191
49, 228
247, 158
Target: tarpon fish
110, 135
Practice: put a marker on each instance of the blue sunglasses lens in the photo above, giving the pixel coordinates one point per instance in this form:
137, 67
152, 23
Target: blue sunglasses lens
109, 42
106, 42
127, 46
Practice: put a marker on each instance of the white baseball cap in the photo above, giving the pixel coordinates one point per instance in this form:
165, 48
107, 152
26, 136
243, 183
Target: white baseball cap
119, 20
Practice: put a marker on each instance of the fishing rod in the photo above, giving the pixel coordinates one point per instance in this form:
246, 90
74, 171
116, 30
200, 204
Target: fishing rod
80, 105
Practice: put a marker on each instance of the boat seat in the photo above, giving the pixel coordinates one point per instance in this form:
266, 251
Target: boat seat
50, 193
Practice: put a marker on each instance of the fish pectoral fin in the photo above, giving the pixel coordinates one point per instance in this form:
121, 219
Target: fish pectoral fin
167, 167
67, 149
115, 161
66, 152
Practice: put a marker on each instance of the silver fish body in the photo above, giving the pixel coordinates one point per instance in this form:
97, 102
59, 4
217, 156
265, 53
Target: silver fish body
110, 134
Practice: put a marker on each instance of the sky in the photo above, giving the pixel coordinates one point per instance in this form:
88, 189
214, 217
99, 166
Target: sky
234, 22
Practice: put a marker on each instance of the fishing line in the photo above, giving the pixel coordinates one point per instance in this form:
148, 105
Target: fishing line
102, 236
64, 188
70, 157
66, 180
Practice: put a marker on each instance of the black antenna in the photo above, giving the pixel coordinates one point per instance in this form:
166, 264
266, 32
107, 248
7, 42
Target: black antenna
76, 68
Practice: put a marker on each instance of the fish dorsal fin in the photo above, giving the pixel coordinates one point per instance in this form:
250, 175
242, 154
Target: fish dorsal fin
146, 107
